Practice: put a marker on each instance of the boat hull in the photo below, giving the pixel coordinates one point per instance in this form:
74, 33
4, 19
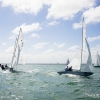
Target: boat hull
76, 72
96, 66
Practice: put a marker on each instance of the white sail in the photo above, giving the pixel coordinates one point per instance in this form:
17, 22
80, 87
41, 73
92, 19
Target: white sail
75, 63
20, 43
14, 54
17, 49
84, 35
83, 50
88, 67
97, 63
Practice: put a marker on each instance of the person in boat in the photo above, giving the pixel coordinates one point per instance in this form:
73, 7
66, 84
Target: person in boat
6, 66
70, 69
66, 69
2, 67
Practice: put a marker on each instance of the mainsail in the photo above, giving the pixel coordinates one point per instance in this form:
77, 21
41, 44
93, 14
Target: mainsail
83, 50
17, 49
97, 59
20, 43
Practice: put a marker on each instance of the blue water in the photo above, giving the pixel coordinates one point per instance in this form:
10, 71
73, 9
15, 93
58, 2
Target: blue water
41, 82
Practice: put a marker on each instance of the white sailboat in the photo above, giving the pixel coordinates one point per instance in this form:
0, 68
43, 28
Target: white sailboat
97, 63
17, 50
78, 68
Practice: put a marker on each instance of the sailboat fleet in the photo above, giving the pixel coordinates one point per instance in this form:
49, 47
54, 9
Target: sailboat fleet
76, 64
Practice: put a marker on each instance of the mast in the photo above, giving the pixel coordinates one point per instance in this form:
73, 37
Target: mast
82, 41
83, 38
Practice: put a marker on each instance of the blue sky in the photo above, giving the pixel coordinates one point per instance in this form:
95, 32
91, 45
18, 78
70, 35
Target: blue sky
52, 28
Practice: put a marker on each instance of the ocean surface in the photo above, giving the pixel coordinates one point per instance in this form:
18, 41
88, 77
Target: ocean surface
41, 82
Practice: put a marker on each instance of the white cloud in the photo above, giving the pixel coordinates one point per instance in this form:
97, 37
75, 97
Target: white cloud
74, 47
93, 38
12, 37
10, 49
39, 45
91, 15
35, 35
61, 45
49, 51
27, 28
4, 43
53, 23
24, 6
67, 9
77, 25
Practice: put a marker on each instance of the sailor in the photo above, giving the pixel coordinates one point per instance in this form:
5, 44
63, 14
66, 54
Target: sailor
2, 67
6, 66
66, 69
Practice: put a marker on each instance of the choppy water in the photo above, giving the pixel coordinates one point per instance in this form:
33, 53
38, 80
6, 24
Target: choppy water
41, 82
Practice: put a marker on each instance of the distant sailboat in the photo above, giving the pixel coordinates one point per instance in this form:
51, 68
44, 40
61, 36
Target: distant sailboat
17, 50
97, 63
67, 62
78, 69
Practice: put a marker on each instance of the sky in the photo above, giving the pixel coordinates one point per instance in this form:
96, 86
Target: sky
52, 29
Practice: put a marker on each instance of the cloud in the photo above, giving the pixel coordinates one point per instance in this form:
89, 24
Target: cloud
74, 47
4, 43
27, 28
24, 6
67, 9
61, 45
91, 15
35, 35
77, 25
10, 49
49, 51
39, 45
93, 38
53, 23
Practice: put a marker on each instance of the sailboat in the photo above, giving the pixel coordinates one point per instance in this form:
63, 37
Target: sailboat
77, 66
97, 63
17, 49
67, 62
